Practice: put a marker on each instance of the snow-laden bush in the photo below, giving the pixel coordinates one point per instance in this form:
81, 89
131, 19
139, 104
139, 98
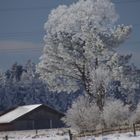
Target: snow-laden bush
83, 115
115, 113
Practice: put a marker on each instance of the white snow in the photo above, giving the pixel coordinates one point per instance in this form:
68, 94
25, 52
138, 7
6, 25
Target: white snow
62, 134
117, 136
17, 112
44, 134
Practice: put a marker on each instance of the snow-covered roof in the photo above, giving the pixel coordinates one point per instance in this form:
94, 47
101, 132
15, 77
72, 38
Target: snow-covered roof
17, 112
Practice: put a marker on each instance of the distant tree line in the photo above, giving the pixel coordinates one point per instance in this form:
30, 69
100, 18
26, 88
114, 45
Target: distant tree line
21, 85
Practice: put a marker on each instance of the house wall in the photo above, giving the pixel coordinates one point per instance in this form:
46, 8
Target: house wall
6, 127
40, 118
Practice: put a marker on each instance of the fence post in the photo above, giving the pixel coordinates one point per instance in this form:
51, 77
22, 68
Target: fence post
70, 134
6, 137
36, 132
134, 129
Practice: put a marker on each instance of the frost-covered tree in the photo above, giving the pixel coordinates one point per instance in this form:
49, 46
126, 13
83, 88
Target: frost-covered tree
2, 79
135, 115
14, 74
30, 69
2, 88
80, 40
115, 113
83, 115
30, 89
126, 76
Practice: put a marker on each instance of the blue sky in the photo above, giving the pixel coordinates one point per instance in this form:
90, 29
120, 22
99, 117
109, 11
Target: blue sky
22, 21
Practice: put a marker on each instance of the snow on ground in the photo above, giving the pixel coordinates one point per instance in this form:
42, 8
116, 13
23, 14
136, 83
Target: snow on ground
117, 136
61, 134
46, 134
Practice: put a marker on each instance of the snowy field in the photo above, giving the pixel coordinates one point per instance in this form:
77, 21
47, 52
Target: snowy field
117, 136
57, 134
51, 134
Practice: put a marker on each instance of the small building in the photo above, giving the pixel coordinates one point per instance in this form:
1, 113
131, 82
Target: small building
30, 117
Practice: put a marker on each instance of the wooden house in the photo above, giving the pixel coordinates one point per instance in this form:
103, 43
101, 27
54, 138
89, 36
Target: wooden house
30, 117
